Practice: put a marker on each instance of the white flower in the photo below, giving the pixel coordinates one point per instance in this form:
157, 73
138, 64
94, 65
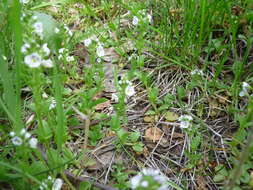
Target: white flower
68, 30
46, 49
5, 58
25, 47
185, 121
70, 58
57, 184
135, 181
87, 42
144, 184
60, 56
52, 105
150, 172
100, 51
27, 135
197, 72
49, 178
33, 60
99, 60
149, 18
33, 142
34, 17
22, 132
44, 95
56, 30
38, 28
12, 133
115, 97
61, 50
47, 63
130, 90
17, 141
244, 91
24, 1
135, 20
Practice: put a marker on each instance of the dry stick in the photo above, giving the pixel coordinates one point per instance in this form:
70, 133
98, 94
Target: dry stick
81, 179
86, 124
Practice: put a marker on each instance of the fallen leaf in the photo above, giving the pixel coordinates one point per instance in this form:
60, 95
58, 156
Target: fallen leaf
149, 119
171, 116
103, 105
153, 134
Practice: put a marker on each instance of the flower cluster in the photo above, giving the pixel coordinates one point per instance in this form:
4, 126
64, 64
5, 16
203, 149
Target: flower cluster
245, 88
129, 89
23, 137
197, 72
56, 184
150, 179
185, 121
145, 17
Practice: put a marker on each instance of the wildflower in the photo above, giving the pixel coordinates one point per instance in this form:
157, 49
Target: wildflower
49, 178
87, 42
27, 135
56, 30
140, 180
115, 97
99, 60
46, 49
22, 132
25, 47
5, 58
38, 28
12, 133
135, 20
130, 90
197, 72
70, 58
52, 105
61, 50
17, 141
33, 142
185, 121
245, 87
100, 51
57, 184
44, 95
68, 30
47, 63
24, 1
33, 60
149, 17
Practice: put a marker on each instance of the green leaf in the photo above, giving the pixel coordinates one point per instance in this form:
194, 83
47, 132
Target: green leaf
134, 136
122, 135
171, 116
138, 147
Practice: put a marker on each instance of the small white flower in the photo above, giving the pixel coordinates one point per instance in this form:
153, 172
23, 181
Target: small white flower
135, 20
150, 172
70, 58
38, 28
100, 51
5, 58
33, 142
46, 49
245, 85
33, 60
12, 133
25, 47
44, 95
47, 63
149, 18
27, 135
60, 56
49, 178
144, 184
197, 72
99, 60
17, 141
115, 97
244, 91
23, 131
135, 181
34, 17
56, 30
24, 1
57, 184
185, 121
130, 90
87, 42
61, 50
52, 105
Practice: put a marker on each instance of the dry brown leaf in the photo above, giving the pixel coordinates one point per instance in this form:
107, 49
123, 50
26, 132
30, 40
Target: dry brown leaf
111, 55
201, 182
153, 134
103, 105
